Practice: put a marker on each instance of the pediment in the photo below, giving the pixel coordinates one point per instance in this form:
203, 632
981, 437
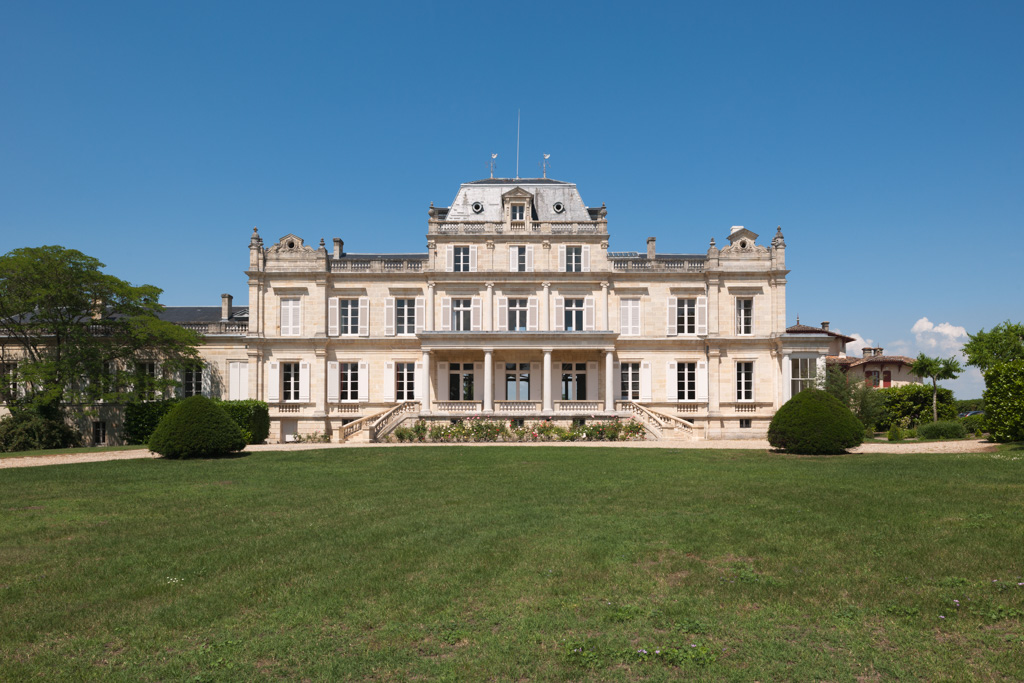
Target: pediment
517, 193
742, 234
293, 244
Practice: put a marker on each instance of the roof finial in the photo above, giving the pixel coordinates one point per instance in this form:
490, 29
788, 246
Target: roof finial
518, 119
493, 164
545, 165
797, 318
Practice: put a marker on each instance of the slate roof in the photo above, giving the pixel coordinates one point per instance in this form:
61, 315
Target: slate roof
517, 181
201, 314
373, 257
807, 329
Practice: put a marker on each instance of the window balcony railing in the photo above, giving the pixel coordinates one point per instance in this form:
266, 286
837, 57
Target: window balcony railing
516, 407
458, 406
578, 406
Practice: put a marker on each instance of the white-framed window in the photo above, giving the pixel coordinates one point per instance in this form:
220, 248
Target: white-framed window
192, 381
460, 381
746, 423
686, 381
805, 374
521, 259
745, 315
291, 382
518, 312
745, 381
405, 381
462, 315
348, 381
573, 315
348, 317
518, 212
405, 316
574, 259
461, 262
291, 317
630, 381
517, 381
238, 380
574, 381
686, 316
629, 317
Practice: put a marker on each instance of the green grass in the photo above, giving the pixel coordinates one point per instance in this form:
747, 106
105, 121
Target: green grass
510, 563
68, 451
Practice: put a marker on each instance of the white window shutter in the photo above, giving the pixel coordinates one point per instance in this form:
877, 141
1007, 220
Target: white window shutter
472, 258
364, 316
536, 382
673, 306
561, 258
333, 382
529, 258
304, 382
207, 381
476, 314
449, 258
645, 380
478, 381
389, 317
442, 381
421, 313
671, 382
638, 317
332, 317
297, 317
364, 382
532, 315
446, 314
617, 378
589, 314
513, 259
500, 388
501, 323
389, 382
592, 380
586, 258
625, 318
702, 380
419, 381
243, 381
702, 315
559, 321
274, 383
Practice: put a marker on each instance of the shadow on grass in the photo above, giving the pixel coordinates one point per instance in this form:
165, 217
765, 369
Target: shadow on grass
218, 456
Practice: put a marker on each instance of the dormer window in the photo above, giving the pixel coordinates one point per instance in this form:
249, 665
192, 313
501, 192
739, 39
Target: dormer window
518, 212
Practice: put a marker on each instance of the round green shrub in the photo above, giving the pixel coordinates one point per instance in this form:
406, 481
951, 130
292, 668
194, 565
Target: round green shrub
196, 428
29, 431
943, 429
895, 433
815, 423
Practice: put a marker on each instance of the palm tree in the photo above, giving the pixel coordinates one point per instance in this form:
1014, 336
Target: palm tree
936, 368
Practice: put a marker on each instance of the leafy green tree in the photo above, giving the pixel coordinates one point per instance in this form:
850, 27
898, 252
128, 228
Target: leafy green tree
866, 402
911, 404
1002, 344
1004, 401
66, 325
936, 369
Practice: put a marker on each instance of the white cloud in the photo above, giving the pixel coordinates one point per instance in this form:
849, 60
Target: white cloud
856, 347
943, 339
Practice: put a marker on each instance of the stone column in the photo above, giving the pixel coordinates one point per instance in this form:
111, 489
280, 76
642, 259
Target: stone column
545, 315
488, 381
425, 408
546, 405
489, 308
609, 382
428, 324
607, 324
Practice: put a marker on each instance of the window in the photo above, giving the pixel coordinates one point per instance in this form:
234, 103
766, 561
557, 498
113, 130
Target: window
238, 381
461, 262
348, 385
192, 381
745, 381
7, 381
745, 424
518, 211
517, 314
686, 316
290, 382
348, 317
517, 381
518, 259
145, 380
630, 381
686, 381
291, 317
629, 312
405, 316
744, 316
99, 433
460, 381
574, 381
805, 373
405, 374
462, 315
872, 378
573, 315
574, 259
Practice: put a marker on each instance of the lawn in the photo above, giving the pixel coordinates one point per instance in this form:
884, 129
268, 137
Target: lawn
510, 563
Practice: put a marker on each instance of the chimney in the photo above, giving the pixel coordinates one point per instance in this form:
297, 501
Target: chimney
735, 228
824, 325
650, 248
878, 350
225, 306
339, 247
868, 351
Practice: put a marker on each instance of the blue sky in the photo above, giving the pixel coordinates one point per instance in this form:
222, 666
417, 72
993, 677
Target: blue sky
885, 138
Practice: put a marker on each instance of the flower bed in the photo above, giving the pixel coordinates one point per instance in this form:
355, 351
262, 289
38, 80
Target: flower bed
480, 429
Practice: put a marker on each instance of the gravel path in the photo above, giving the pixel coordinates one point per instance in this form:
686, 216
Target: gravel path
970, 446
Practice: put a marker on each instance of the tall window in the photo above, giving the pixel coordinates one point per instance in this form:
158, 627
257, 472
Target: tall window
744, 316
518, 212
517, 381
462, 315
574, 259
871, 378
686, 316
405, 374
517, 311
630, 381
629, 311
289, 382
405, 316
745, 381
192, 381
291, 317
145, 380
461, 264
686, 381
349, 382
519, 259
99, 433
573, 315
805, 373
574, 381
460, 382
7, 374
348, 316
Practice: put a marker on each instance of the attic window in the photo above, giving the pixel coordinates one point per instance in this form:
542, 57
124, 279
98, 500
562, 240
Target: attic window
477, 207
291, 245
743, 244
518, 211
559, 207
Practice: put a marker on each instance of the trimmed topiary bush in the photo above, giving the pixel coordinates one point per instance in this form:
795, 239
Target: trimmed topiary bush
815, 423
196, 428
944, 429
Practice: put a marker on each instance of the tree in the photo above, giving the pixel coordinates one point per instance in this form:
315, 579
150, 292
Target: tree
1002, 344
1004, 401
936, 369
68, 329
866, 402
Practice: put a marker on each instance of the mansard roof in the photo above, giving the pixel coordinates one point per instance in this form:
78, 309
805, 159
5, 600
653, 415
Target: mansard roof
554, 201
200, 314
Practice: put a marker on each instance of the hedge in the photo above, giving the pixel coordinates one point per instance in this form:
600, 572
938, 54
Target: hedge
1004, 401
196, 427
140, 419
